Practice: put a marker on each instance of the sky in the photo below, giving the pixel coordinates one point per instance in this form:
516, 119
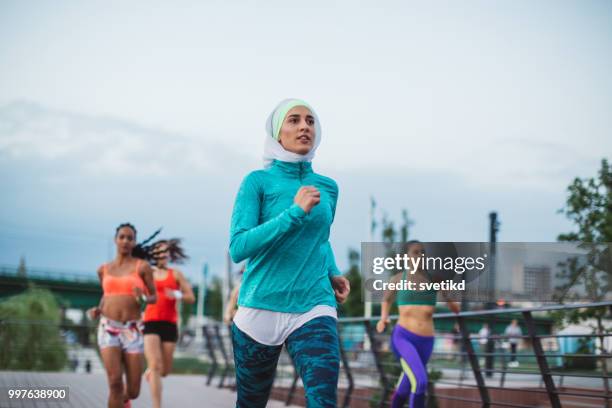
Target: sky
153, 112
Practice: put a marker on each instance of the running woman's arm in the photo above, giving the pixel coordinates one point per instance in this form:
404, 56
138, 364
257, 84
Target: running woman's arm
95, 311
454, 307
186, 292
385, 305
146, 273
332, 268
247, 237
340, 284
230, 309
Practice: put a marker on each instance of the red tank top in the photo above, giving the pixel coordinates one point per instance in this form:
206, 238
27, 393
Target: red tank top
165, 307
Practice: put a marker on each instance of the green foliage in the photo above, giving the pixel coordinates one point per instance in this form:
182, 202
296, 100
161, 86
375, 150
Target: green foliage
186, 312
214, 299
589, 207
353, 307
190, 365
390, 233
30, 333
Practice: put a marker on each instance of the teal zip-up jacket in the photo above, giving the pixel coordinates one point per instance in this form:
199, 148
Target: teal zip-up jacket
290, 261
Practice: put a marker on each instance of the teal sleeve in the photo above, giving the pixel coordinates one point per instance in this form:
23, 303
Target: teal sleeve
332, 268
247, 238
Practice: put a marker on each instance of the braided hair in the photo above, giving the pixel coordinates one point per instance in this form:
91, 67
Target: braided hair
141, 250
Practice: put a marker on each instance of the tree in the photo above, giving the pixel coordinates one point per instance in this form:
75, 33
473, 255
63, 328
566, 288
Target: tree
589, 207
353, 307
30, 334
390, 233
186, 311
214, 299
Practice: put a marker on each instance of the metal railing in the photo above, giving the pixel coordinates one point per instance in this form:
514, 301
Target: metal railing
457, 376
548, 375
49, 274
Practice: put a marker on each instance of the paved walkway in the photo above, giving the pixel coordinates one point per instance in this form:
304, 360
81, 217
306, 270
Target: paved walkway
90, 390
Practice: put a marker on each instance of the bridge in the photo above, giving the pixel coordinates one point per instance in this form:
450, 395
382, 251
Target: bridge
71, 290
78, 291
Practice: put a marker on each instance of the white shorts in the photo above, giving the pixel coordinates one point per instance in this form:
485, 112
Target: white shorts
127, 336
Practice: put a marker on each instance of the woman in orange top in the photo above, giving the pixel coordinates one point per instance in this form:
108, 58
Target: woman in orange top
124, 282
160, 330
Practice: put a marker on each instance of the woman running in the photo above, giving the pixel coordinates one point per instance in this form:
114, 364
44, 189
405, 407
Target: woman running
160, 330
232, 302
412, 339
125, 282
280, 223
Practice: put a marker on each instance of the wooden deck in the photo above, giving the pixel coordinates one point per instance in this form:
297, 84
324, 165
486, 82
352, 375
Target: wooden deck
90, 391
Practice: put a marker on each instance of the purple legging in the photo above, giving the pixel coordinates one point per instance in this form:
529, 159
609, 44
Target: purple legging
413, 352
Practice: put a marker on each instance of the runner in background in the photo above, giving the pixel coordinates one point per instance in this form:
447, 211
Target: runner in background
160, 319
125, 281
412, 339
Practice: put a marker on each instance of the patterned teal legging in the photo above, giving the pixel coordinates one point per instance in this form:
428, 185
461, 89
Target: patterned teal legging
315, 352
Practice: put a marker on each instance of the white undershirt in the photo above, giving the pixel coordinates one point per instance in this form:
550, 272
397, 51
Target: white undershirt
273, 328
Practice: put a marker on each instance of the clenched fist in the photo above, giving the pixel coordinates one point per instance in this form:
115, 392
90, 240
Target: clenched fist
342, 288
382, 324
307, 197
94, 313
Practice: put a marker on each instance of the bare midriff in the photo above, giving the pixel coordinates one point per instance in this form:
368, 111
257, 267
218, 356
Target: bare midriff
121, 308
417, 318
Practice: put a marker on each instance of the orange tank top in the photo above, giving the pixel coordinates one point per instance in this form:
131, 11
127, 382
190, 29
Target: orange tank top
165, 307
121, 285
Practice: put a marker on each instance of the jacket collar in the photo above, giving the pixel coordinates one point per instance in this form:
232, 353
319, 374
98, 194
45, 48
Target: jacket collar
297, 169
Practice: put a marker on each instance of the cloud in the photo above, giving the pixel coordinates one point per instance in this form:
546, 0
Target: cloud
92, 146
61, 169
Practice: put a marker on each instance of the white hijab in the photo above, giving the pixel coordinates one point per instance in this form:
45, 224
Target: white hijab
272, 148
